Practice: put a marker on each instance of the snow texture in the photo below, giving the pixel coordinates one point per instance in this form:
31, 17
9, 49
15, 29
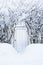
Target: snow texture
32, 55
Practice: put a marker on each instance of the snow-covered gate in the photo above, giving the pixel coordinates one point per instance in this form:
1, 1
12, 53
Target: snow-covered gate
21, 37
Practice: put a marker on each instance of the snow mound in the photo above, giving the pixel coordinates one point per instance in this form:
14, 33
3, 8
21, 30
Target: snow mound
7, 54
32, 55
5, 47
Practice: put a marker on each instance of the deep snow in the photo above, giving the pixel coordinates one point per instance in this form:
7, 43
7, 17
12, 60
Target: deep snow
32, 55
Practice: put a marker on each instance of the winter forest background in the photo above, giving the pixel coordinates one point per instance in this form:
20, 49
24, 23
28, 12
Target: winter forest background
22, 14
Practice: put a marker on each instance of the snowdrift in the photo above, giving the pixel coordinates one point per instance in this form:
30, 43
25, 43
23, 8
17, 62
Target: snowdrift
32, 55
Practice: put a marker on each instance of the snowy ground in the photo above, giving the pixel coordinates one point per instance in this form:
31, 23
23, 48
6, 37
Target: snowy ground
32, 55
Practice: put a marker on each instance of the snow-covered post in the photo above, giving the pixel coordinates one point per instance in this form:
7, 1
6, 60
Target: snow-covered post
13, 35
28, 32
